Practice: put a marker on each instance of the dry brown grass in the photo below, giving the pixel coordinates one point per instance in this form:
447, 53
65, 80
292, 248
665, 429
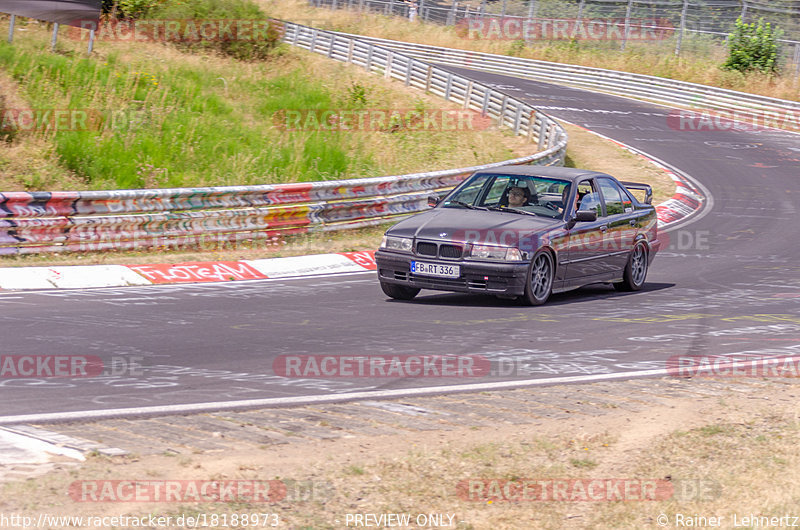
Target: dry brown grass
643, 58
725, 457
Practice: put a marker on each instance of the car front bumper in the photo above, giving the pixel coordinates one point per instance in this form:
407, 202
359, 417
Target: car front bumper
501, 278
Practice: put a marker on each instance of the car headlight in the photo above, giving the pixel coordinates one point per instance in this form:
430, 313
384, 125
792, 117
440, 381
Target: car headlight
401, 244
495, 252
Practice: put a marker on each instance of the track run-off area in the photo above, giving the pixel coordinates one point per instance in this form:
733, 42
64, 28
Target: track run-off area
727, 283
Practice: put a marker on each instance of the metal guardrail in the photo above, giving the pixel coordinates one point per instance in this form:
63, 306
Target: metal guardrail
683, 17
657, 89
32, 222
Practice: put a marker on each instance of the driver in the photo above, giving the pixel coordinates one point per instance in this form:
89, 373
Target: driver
518, 196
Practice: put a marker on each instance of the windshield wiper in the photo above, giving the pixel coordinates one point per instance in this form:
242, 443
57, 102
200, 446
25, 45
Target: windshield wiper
507, 209
466, 205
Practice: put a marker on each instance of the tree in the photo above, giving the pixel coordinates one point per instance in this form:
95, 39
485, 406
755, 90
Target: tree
753, 46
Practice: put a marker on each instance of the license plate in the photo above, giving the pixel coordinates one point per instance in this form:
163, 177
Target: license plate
435, 269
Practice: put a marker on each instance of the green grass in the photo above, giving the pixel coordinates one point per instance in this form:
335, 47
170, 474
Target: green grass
174, 125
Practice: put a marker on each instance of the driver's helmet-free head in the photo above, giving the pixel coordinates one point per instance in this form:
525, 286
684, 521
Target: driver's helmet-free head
516, 187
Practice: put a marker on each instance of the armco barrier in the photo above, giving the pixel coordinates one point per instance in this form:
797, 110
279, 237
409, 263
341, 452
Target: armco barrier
658, 89
129, 219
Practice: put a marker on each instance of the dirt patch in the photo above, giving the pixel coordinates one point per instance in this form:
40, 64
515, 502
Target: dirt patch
724, 455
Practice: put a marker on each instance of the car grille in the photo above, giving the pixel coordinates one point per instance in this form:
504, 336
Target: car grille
442, 251
450, 251
426, 249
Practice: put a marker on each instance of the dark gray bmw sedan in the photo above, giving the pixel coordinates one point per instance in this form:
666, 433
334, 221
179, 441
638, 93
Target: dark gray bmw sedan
524, 232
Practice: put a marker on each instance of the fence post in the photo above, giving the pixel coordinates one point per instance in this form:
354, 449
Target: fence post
532, 9
390, 8
422, 12
796, 63
544, 123
627, 24
387, 73
580, 9
91, 41
744, 10
451, 15
368, 66
503, 10
11, 28
682, 27
55, 36
483, 8
428, 79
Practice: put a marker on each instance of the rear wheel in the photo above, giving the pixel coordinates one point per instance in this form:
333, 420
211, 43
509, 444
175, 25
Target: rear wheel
399, 292
635, 271
539, 284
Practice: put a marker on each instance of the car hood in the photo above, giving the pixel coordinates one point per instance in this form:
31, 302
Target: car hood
462, 225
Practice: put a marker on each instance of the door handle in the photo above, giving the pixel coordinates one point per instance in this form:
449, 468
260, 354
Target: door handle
633, 222
603, 228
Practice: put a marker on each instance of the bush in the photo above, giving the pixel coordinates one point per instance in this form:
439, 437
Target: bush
250, 47
753, 46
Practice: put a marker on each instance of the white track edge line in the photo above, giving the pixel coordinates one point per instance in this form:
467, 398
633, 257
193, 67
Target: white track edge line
375, 394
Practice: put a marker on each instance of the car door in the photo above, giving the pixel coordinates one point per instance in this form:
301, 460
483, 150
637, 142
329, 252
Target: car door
586, 253
621, 230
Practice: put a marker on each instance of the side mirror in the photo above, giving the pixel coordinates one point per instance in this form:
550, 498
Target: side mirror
582, 216
433, 200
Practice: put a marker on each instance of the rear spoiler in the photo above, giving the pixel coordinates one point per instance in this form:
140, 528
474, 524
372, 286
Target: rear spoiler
648, 191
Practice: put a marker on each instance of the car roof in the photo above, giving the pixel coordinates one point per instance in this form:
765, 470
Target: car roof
565, 173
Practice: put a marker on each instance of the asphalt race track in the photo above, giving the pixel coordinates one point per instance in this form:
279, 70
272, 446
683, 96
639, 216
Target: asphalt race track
729, 282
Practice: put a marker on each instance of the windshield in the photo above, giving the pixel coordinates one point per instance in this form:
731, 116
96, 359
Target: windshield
542, 196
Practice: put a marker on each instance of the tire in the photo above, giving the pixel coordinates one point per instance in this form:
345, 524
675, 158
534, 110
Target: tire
539, 284
399, 292
635, 270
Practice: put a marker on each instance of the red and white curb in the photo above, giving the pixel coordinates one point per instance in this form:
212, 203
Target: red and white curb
688, 198
84, 276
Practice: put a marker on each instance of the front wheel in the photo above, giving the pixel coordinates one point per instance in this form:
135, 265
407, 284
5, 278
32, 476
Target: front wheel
635, 270
539, 284
399, 292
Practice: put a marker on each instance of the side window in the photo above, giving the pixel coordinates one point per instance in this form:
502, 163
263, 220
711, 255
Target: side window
496, 191
613, 196
588, 198
591, 201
